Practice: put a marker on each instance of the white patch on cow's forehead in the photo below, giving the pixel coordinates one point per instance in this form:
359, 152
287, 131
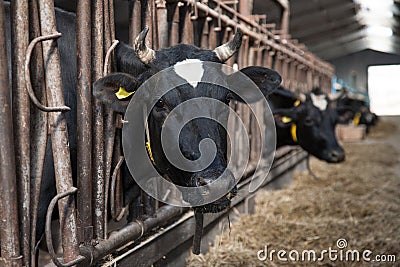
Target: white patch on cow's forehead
319, 101
191, 70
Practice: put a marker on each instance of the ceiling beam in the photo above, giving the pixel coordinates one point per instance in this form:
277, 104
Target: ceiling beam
329, 43
359, 45
331, 35
305, 32
332, 12
344, 49
304, 7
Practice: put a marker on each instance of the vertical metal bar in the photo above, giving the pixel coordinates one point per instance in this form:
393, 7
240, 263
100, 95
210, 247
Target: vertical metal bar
38, 136
148, 5
204, 32
153, 12
174, 37
58, 132
135, 23
187, 24
212, 33
285, 19
109, 127
9, 234
309, 79
162, 24
246, 45
252, 53
84, 121
260, 54
229, 36
98, 123
19, 39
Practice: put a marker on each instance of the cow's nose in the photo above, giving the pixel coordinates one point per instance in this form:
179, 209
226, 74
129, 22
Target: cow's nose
337, 155
215, 180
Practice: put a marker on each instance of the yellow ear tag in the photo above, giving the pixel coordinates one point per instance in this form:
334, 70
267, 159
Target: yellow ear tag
296, 103
122, 93
148, 147
286, 119
357, 118
293, 131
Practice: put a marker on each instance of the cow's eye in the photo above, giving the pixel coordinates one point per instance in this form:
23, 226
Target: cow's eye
308, 121
160, 103
228, 99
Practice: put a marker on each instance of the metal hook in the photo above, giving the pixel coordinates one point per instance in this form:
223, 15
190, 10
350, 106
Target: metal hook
119, 216
107, 59
28, 83
49, 240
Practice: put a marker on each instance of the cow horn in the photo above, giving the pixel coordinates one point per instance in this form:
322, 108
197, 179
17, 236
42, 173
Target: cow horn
225, 51
143, 52
334, 97
302, 97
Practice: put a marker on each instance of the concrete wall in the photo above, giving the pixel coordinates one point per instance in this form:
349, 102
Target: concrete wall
356, 65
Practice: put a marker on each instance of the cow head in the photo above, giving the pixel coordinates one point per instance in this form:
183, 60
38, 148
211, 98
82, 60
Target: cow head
311, 123
137, 64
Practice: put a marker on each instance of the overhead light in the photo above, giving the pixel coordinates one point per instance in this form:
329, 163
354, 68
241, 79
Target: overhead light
379, 31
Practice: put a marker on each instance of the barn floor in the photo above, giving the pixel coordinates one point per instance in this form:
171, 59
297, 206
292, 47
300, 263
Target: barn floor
358, 201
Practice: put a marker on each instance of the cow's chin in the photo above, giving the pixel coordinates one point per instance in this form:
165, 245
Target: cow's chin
219, 205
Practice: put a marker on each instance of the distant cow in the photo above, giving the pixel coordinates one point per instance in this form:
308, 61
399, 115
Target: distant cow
361, 113
307, 120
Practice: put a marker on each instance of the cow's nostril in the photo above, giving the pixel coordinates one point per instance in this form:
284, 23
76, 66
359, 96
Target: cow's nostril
337, 155
201, 182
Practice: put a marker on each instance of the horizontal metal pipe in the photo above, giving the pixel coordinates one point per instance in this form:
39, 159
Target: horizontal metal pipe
130, 233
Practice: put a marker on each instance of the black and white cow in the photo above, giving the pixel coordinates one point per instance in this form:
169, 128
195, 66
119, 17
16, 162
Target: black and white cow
307, 120
361, 113
137, 64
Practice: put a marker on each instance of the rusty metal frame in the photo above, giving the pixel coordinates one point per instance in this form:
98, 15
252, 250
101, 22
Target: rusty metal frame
21, 115
98, 180
9, 232
84, 121
109, 122
98, 164
58, 132
39, 129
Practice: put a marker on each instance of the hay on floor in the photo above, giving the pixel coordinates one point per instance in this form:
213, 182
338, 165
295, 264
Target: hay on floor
357, 200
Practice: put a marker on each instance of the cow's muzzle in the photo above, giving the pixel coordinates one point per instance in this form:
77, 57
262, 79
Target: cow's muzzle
215, 182
336, 156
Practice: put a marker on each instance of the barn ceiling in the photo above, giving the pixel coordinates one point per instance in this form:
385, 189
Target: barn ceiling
329, 28
335, 28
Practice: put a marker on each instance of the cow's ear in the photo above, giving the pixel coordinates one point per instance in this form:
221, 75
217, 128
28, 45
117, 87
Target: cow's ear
267, 81
115, 90
287, 115
345, 114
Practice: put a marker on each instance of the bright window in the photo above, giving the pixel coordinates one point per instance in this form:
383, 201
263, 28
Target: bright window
384, 89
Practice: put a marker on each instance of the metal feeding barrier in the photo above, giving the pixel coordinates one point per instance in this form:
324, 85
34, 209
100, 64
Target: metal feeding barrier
37, 113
